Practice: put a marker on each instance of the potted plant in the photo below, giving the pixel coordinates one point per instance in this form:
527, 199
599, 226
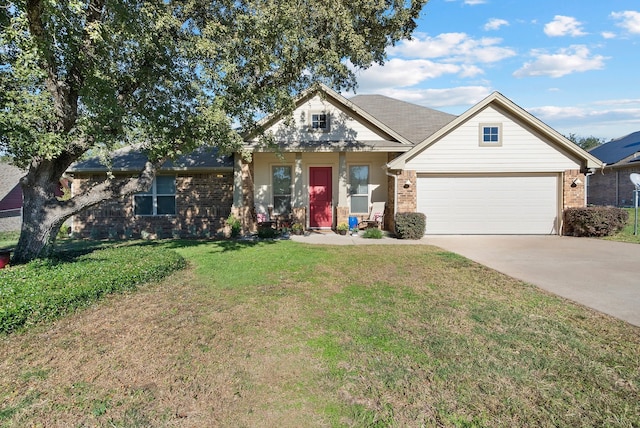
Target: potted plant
342, 228
297, 229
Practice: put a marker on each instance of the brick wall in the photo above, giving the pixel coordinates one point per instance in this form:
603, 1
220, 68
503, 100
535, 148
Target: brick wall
573, 192
612, 187
203, 202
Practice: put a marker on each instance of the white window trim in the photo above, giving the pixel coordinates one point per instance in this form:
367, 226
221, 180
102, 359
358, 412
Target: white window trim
273, 195
349, 194
327, 127
483, 143
154, 198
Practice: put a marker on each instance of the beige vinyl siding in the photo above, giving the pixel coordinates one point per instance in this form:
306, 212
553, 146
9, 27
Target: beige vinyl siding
520, 151
342, 127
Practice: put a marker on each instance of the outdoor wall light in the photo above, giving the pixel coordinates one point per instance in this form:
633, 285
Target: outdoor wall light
407, 184
576, 182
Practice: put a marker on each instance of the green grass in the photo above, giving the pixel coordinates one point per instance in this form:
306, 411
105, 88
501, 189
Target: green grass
8, 239
285, 334
46, 289
626, 234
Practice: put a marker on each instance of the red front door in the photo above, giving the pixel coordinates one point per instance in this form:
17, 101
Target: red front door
320, 197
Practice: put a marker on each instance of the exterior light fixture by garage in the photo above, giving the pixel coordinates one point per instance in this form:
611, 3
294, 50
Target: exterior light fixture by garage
407, 184
635, 179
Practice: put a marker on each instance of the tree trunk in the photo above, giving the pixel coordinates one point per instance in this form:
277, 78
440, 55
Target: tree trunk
41, 222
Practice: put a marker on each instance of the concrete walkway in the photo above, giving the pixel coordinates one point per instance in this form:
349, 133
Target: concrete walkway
600, 274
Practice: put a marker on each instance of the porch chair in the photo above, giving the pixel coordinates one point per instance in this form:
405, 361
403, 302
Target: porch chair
376, 216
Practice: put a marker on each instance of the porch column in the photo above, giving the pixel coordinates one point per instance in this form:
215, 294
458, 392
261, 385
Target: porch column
342, 206
237, 181
298, 203
298, 196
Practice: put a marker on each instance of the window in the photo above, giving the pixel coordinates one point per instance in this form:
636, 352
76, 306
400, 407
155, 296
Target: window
319, 122
282, 184
159, 200
359, 188
491, 135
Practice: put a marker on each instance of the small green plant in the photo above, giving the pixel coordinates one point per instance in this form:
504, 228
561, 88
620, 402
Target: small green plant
372, 233
297, 229
342, 226
235, 225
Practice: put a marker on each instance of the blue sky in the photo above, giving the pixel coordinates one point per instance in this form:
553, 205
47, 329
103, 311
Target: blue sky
575, 64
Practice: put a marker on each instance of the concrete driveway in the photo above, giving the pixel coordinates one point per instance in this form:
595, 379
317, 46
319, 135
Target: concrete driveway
603, 275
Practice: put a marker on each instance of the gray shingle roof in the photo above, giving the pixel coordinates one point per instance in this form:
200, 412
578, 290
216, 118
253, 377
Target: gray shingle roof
130, 159
412, 121
616, 150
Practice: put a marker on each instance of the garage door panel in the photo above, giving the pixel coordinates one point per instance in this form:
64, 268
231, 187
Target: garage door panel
489, 204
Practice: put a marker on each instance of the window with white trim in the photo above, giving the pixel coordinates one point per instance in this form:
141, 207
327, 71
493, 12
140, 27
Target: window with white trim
320, 122
159, 200
359, 188
491, 134
282, 185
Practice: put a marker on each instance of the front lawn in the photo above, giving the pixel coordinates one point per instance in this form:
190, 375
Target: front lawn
286, 334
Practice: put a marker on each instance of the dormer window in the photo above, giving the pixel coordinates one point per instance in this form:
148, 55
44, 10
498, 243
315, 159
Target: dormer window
491, 134
320, 122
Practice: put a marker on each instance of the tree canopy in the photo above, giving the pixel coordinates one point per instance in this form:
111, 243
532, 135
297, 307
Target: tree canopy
84, 75
586, 143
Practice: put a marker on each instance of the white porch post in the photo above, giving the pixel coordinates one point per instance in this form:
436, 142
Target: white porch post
237, 181
298, 195
342, 179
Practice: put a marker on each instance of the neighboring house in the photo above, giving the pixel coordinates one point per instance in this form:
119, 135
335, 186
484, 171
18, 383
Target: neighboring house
10, 197
494, 169
611, 185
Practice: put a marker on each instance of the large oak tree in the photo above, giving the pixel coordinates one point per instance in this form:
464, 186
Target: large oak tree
83, 76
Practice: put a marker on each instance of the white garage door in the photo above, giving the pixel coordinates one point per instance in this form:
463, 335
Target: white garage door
489, 204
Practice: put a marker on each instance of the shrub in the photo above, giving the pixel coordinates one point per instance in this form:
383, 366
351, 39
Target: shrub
410, 225
594, 221
235, 225
372, 233
267, 232
44, 290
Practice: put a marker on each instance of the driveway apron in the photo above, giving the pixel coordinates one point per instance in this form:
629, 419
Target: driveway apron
603, 275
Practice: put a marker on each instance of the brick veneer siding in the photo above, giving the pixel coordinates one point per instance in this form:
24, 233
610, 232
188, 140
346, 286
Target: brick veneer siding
203, 202
573, 195
612, 186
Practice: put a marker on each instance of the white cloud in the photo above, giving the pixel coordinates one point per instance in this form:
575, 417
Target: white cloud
453, 47
629, 20
570, 60
604, 119
608, 35
564, 26
474, 2
495, 24
403, 73
463, 96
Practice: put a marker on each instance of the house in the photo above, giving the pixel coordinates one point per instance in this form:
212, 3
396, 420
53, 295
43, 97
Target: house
494, 169
611, 185
10, 197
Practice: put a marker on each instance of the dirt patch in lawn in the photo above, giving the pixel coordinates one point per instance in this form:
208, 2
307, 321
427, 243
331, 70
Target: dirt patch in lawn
163, 357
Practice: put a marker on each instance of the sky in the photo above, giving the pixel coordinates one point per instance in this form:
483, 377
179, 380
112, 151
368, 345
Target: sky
574, 64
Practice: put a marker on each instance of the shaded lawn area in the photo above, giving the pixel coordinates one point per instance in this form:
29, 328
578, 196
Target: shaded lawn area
626, 234
286, 334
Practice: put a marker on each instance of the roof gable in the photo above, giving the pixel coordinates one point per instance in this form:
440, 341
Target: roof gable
352, 125
9, 177
619, 149
502, 103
